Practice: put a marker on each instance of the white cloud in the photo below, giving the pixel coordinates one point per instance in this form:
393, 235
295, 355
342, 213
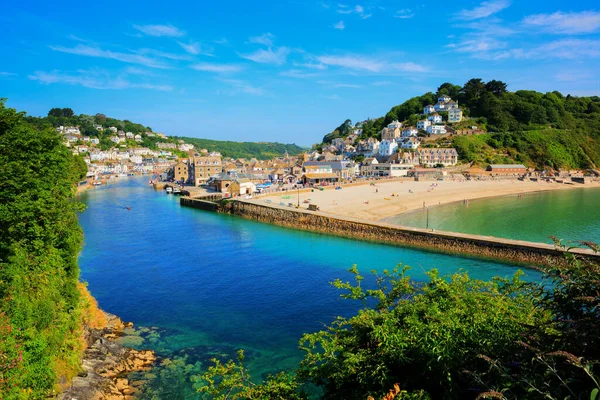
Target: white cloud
340, 25
332, 97
244, 87
296, 73
5, 74
371, 64
339, 85
194, 48
405, 13
484, 10
311, 65
409, 67
265, 39
163, 54
160, 30
222, 68
357, 9
268, 56
481, 45
571, 76
352, 62
569, 49
100, 53
94, 80
573, 23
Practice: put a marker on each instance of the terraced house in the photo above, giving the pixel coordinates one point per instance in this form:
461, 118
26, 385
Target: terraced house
432, 157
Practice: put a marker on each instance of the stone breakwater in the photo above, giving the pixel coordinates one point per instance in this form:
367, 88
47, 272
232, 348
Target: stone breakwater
106, 364
515, 251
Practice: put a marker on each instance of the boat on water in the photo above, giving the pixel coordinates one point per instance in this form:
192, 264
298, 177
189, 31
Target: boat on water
169, 189
97, 183
177, 190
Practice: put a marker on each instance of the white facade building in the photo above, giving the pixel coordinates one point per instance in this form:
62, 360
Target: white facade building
436, 129
387, 148
435, 118
455, 115
423, 124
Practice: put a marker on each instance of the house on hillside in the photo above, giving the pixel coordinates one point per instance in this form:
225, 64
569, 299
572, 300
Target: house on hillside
428, 109
435, 118
422, 125
436, 129
455, 115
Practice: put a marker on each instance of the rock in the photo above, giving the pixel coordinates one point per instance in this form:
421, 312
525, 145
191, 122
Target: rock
104, 364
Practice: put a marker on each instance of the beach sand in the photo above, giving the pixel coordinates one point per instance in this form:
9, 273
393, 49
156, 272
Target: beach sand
376, 202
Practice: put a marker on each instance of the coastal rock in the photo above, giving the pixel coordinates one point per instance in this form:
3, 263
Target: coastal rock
106, 363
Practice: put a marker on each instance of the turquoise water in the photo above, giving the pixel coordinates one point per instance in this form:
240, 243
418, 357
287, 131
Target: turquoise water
566, 214
202, 284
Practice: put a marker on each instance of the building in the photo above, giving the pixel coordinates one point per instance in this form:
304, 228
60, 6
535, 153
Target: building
387, 147
429, 109
410, 143
387, 169
422, 125
180, 171
410, 131
513, 169
436, 129
455, 115
392, 131
435, 118
430, 157
202, 168
319, 173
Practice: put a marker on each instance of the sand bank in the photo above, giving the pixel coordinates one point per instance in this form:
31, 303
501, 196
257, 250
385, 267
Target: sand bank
386, 199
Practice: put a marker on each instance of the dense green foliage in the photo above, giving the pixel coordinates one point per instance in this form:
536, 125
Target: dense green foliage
537, 129
449, 338
40, 240
258, 150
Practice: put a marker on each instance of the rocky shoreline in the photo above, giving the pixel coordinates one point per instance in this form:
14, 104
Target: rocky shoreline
106, 364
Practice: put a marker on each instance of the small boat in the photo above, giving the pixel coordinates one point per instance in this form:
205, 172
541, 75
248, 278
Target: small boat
176, 191
169, 190
97, 183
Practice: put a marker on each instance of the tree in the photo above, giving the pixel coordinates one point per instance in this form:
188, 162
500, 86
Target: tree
472, 91
496, 87
449, 89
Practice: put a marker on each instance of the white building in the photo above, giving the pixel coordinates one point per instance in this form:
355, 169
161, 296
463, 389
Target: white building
129, 135
423, 124
455, 115
429, 109
387, 147
95, 141
410, 131
436, 129
435, 118
395, 124
444, 98
410, 143
113, 129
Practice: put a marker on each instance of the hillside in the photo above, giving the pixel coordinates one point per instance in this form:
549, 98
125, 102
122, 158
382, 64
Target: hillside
542, 130
96, 126
258, 150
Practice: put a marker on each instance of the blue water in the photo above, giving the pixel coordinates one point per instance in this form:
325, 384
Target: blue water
208, 284
569, 215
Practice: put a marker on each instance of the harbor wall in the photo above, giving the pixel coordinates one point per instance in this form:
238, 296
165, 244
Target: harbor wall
516, 251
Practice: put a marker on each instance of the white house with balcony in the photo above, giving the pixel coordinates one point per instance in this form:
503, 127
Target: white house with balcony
410, 143
435, 118
436, 129
387, 147
409, 131
428, 109
422, 125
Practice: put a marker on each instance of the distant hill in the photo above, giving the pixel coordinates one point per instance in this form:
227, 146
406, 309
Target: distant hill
258, 150
88, 126
537, 129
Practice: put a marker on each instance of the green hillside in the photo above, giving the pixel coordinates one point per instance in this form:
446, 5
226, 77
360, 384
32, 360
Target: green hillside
258, 150
87, 125
538, 129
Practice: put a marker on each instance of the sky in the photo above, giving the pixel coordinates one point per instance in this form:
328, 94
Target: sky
285, 71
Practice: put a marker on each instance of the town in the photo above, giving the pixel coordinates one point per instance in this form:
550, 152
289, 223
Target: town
403, 151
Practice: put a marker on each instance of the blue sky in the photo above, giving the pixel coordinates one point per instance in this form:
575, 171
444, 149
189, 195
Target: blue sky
287, 71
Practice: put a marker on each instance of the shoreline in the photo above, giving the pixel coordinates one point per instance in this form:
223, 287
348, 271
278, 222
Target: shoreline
385, 200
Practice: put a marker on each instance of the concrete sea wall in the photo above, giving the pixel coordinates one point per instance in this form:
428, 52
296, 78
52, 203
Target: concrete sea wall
515, 251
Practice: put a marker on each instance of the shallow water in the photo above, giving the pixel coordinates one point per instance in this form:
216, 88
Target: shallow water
201, 284
567, 214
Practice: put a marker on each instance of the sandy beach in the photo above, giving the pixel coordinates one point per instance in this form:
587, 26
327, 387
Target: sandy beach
387, 199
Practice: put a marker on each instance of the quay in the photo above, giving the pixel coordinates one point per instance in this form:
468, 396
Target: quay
515, 251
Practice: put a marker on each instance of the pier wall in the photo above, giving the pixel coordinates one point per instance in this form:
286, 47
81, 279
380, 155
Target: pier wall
522, 252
